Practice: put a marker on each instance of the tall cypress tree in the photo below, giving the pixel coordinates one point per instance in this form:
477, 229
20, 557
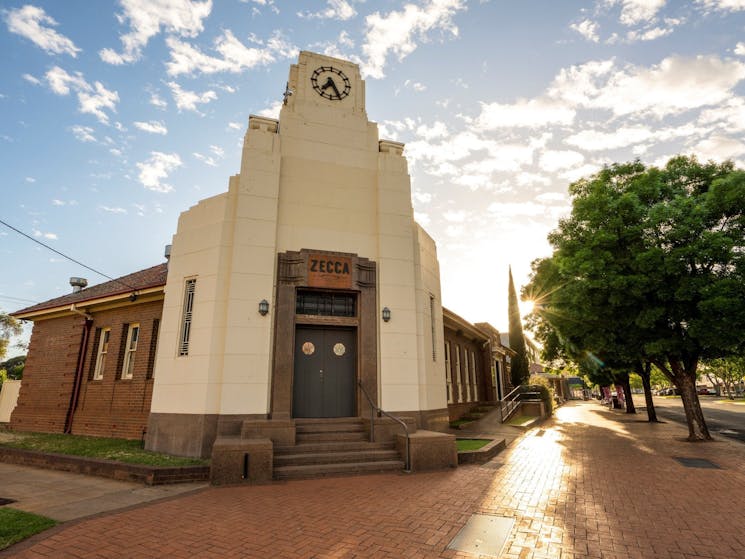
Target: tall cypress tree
519, 366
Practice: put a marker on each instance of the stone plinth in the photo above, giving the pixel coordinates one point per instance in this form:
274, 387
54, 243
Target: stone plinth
240, 461
429, 450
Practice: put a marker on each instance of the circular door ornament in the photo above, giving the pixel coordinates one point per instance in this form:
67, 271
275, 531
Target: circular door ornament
309, 348
339, 349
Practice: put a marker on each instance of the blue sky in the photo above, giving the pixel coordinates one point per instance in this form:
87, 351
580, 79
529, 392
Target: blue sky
117, 116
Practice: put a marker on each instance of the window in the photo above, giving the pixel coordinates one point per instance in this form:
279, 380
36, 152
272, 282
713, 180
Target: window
189, 287
458, 376
103, 349
130, 349
466, 378
323, 303
473, 377
434, 330
448, 373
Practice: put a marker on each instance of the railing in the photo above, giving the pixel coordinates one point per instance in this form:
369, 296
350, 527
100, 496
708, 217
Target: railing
375, 409
508, 404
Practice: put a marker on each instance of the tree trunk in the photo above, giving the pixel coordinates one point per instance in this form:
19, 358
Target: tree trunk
626, 386
685, 380
645, 372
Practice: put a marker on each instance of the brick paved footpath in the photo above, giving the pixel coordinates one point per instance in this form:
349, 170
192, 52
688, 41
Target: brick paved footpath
589, 483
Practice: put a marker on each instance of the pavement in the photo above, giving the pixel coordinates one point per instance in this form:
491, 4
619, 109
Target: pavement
589, 483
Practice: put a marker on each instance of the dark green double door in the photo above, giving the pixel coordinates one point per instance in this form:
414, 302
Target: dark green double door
325, 372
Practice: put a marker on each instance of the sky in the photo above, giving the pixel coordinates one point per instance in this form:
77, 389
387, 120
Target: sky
115, 116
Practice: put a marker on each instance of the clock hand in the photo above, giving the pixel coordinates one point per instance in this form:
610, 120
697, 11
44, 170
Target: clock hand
330, 83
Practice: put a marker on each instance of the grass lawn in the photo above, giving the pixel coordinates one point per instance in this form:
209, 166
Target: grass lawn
471, 444
96, 447
458, 422
16, 525
520, 420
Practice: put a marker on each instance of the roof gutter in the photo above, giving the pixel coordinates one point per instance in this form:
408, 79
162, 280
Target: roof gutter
76, 310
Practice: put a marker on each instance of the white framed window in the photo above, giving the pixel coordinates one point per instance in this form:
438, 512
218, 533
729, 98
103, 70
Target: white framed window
458, 375
101, 352
189, 289
467, 378
448, 373
473, 377
130, 349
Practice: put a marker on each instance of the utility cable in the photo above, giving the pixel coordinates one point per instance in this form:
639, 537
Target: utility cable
37, 241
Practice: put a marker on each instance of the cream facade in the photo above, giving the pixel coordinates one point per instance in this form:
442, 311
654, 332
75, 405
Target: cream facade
319, 224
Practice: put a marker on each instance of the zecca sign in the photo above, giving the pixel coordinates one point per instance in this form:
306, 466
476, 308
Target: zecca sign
326, 270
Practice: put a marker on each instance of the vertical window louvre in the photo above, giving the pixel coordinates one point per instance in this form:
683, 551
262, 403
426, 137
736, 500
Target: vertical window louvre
434, 330
458, 376
473, 377
130, 349
101, 352
183, 348
153, 348
448, 373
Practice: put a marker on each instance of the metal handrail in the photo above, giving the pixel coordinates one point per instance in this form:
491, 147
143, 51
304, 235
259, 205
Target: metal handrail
510, 402
375, 409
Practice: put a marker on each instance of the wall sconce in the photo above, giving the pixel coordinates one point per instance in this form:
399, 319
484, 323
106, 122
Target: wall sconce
386, 314
263, 307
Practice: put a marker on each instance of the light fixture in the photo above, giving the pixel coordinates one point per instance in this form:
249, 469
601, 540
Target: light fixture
386, 314
263, 307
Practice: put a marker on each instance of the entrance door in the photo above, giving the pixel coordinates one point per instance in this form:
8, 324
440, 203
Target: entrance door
325, 372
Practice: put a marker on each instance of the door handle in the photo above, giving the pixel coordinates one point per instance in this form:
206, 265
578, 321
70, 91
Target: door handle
320, 374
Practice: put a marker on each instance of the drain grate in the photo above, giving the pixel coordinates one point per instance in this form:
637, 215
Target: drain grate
483, 535
697, 463
6, 501
491, 465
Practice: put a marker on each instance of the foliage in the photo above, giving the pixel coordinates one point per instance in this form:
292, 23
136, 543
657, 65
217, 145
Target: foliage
471, 444
13, 368
519, 366
17, 525
649, 267
9, 326
730, 371
120, 450
546, 391
519, 420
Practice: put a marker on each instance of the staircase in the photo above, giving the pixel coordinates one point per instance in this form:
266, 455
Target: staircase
330, 447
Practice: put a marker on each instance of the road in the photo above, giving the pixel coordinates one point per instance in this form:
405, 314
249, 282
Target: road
722, 418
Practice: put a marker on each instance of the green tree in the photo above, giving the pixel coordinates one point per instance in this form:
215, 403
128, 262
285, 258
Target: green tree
730, 371
519, 366
650, 268
9, 326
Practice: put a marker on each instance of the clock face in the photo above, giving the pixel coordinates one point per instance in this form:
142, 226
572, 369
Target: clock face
330, 83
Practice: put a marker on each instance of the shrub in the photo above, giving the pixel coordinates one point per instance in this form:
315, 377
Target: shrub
546, 391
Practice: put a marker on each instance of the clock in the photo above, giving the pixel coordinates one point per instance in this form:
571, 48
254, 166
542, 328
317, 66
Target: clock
331, 83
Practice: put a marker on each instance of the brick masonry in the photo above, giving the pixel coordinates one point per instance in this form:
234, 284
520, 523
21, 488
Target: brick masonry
110, 407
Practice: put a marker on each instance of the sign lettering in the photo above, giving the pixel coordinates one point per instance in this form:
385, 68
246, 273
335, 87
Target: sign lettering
329, 271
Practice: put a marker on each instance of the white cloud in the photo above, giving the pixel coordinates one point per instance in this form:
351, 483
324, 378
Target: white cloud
115, 210
437, 130
556, 160
31, 79
31, 22
157, 101
211, 160
551, 197
421, 197
648, 34
30, 179
719, 148
596, 140
634, 12
586, 170
724, 5
83, 133
335, 9
146, 18
532, 113
57, 202
152, 126
235, 56
740, 49
50, 236
92, 99
416, 86
188, 100
730, 115
272, 111
588, 29
517, 209
422, 218
235, 125
397, 32
156, 169
455, 216
532, 179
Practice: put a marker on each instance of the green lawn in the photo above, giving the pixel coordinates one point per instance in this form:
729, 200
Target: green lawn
96, 447
16, 525
520, 420
458, 422
471, 444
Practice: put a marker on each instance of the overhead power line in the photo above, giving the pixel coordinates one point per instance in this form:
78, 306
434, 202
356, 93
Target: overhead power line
71, 259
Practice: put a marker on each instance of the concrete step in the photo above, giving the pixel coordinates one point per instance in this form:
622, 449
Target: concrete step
307, 458
324, 470
326, 420
330, 437
345, 427
338, 446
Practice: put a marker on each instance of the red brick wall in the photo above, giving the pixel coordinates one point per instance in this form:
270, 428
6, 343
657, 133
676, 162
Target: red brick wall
459, 342
110, 407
